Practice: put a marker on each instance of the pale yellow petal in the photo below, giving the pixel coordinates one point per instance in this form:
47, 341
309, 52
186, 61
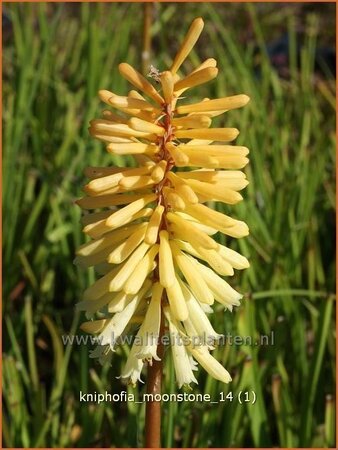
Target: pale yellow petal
125, 103
123, 214
166, 265
136, 94
110, 138
187, 229
150, 328
141, 271
109, 115
221, 290
138, 80
105, 201
146, 127
200, 141
92, 218
113, 190
94, 326
216, 262
190, 158
100, 287
97, 172
229, 162
133, 367
105, 95
225, 103
120, 299
237, 260
153, 225
92, 306
94, 259
101, 126
210, 62
210, 231
196, 283
97, 229
132, 148
158, 171
236, 184
144, 160
217, 150
210, 364
109, 181
179, 157
213, 176
193, 121
186, 193
210, 217
128, 267
148, 115
212, 257
216, 134
178, 306
167, 86
188, 248
135, 182
126, 248
172, 199
196, 78
141, 114
182, 188
182, 365
117, 324
197, 316
189, 41
201, 160
215, 192
237, 231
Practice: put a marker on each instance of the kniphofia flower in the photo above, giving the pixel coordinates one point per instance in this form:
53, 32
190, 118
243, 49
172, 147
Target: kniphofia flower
150, 226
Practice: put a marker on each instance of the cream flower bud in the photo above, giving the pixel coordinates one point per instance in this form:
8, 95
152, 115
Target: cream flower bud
181, 359
198, 317
210, 364
148, 334
133, 367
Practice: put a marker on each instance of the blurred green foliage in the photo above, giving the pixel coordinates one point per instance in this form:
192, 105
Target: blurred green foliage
55, 58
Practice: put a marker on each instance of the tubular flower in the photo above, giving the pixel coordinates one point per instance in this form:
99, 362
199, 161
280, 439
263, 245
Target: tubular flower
150, 226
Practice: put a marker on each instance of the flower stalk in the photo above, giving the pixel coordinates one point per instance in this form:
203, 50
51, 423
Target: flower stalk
154, 386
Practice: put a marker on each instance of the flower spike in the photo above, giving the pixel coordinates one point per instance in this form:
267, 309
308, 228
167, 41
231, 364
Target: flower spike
151, 226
